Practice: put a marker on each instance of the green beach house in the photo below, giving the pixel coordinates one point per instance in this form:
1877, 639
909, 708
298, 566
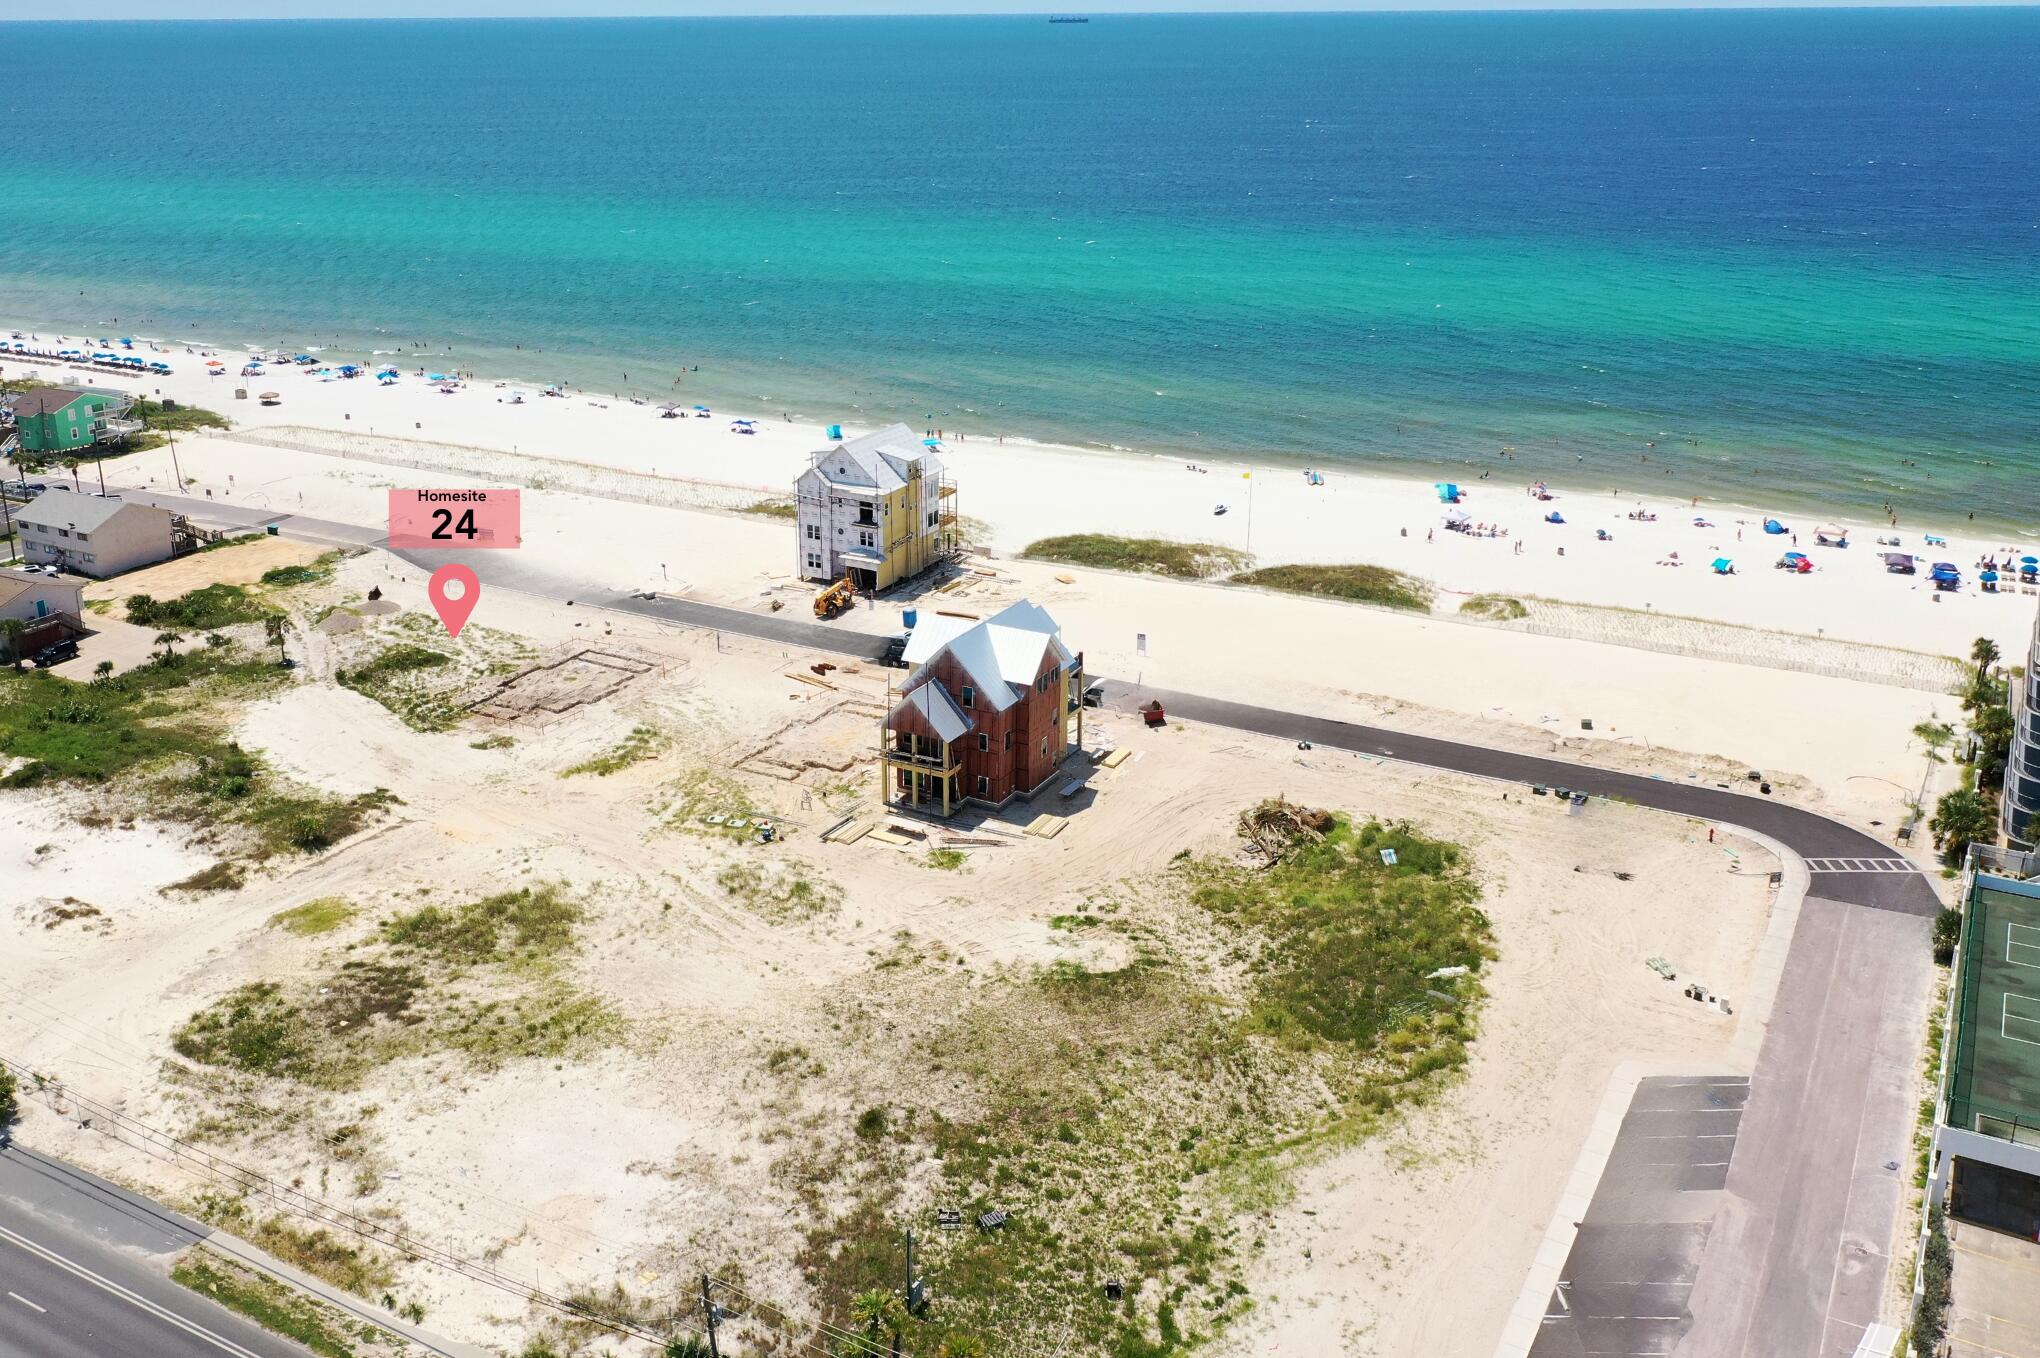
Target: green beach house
54, 420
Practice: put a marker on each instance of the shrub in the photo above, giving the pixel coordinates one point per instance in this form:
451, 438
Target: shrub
1148, 556
1354, 584
1947, 933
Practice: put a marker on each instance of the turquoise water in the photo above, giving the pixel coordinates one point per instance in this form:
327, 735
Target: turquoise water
1794, 251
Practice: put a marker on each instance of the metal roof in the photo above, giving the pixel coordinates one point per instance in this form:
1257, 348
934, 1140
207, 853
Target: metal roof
1001, 654
881, 460
944, 717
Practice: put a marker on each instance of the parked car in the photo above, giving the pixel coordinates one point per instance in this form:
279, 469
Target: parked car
1094, 696
895, 653
56, 654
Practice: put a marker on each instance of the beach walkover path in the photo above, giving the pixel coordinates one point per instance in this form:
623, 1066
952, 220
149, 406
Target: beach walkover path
1785, 1254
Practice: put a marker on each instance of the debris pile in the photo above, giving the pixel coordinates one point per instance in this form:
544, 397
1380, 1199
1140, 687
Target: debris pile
1277, 825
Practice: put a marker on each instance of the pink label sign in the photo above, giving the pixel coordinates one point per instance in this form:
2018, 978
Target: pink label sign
449, 520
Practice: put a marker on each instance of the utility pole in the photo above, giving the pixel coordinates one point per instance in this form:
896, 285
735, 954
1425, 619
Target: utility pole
708, 1310
173, 462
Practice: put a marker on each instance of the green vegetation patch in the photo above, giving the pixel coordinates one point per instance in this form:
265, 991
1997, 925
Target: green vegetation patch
315, 572
202, 610
529, 924
780, 891
1149, 556
1136, 1116
318, 1251
641, 744
1494, 607
275, 1307
321, 916
394, 679
773, 509
1355, 584
154, 416
152, 729
479, 979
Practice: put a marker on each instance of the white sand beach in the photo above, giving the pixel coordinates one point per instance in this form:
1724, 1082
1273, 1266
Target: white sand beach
1024, 491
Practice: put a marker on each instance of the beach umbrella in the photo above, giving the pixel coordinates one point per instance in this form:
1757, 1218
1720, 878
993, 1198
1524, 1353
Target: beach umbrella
269, 396
1774, 527
1722, 565
215, 363
2029, 561
931, 443
702, 409
1456, 516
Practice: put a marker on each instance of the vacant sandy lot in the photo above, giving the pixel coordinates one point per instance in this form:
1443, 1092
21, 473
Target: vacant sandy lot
745, 1001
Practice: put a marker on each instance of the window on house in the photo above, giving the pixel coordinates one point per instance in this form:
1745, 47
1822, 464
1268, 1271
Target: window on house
984, 786
90, 557
83, 538
1044, 747
984, 741
1009, 740
969, 696
814, 532
63, 532
867, 539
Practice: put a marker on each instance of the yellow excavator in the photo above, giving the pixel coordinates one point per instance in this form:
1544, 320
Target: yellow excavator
836, 598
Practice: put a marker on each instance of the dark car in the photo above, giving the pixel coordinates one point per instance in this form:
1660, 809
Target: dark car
55, 654
895, 653
1094, 696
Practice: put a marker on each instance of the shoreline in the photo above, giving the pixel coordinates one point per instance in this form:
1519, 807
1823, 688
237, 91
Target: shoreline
493, 364
1644, 553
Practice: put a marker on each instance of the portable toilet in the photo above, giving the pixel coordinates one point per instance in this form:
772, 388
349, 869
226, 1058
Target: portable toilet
908, 618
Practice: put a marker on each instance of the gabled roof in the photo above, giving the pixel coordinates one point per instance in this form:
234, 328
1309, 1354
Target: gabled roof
1001, 654
62, 507
937, 708
881, 460
42, 400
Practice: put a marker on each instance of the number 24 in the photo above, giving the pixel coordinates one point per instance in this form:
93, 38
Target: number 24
447, 527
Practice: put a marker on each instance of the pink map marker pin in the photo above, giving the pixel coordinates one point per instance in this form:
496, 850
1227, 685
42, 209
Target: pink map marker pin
451, 610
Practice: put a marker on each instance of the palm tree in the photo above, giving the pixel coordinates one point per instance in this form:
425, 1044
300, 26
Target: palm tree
167, 640
215, 641
71, 465
963, 1346
273, 625
879, 1310
11, 631
102, 671
1936, 736
1985, 654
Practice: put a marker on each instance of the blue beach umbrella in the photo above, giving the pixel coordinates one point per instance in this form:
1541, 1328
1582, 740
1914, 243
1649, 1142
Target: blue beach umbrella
1773, 526
1722, 565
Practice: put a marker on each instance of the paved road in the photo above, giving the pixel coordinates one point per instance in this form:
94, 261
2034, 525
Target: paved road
1795, 1263
82, 1274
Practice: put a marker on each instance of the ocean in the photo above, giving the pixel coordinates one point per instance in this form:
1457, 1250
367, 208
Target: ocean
1789, 257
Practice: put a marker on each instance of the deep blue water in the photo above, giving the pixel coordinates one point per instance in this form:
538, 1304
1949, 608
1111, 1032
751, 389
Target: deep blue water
1793, 249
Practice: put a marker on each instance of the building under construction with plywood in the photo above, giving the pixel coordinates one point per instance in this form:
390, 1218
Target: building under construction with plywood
874, 510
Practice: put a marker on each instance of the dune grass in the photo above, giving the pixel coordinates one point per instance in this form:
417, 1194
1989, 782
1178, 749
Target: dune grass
321, 916
1494, 607
152, 729
1353, 583
483, 979
393, 678
1138, 1117
276, 1308
1147, 556
202, 610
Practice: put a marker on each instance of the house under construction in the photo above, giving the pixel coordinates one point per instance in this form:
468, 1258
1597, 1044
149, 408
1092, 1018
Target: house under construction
989, 711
